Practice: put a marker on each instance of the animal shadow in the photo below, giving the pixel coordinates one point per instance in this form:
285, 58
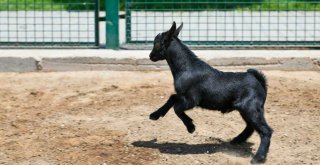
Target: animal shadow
218, 145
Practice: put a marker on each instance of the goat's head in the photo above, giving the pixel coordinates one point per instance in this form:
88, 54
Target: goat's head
162, 42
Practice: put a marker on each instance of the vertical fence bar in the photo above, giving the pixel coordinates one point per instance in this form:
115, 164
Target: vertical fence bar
112, 24
128, 20
96, 23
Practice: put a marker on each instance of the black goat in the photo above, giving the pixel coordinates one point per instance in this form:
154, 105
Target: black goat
198, 84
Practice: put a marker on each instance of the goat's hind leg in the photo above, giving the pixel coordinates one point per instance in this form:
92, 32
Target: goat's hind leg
162, 111
265, 133
182, 104
244, 135
254, 116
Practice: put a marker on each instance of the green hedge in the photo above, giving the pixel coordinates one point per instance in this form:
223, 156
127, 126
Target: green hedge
164, 5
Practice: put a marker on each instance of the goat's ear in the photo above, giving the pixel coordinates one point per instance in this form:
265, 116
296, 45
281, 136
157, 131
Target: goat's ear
176, 33
171, 32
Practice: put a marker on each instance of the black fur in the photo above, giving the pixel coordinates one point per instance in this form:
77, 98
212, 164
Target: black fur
198, 84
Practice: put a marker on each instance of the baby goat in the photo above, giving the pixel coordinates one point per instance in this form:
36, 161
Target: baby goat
198, 84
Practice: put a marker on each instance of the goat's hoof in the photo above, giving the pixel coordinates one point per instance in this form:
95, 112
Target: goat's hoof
258, 160
154, 116
191, 129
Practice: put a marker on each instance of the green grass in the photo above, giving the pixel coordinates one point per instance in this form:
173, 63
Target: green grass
287, 5
14, 5
255, 5
222, 5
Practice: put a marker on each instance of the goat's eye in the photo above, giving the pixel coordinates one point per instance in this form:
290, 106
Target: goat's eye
157, 46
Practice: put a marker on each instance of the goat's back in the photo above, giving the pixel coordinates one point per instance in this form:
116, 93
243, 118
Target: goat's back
224, 89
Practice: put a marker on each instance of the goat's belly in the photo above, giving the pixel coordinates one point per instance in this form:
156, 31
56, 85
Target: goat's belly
222, 108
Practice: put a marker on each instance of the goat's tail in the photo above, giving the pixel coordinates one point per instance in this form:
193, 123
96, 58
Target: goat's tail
260, 77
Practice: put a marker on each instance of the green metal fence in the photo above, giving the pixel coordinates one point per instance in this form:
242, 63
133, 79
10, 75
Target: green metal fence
49, 23
227, 22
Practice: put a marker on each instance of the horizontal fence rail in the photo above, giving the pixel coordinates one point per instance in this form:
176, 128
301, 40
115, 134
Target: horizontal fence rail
227, 22
49, 23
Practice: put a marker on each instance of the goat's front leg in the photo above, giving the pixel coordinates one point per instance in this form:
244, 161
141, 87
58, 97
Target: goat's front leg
182, 104
162, 111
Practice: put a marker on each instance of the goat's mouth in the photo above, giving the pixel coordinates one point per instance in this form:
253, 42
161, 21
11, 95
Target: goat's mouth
153, 59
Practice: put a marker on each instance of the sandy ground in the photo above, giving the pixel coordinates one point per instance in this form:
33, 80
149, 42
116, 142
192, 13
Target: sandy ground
102, 118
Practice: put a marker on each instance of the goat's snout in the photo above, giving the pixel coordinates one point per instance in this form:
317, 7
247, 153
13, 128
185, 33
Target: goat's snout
152, 57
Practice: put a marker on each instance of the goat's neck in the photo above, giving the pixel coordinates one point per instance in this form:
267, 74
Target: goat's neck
179, 58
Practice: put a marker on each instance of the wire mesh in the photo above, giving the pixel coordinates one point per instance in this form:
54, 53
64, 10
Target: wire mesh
52, 23
227, 22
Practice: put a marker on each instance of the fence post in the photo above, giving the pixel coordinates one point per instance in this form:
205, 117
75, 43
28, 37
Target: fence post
97, 24
112, 24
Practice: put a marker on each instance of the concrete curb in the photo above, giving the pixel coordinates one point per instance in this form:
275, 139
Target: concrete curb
96, 63
88, 59
16, 64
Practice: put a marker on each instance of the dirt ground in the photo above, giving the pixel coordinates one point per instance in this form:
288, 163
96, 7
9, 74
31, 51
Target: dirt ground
102, 118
